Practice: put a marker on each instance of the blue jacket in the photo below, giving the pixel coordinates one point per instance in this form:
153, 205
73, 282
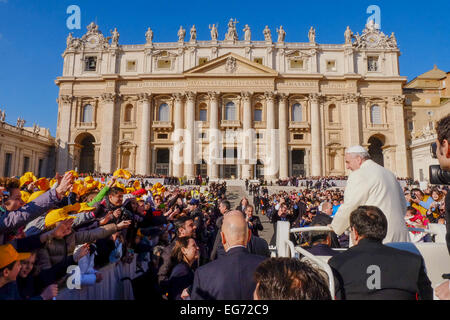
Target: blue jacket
10, 221
227, 278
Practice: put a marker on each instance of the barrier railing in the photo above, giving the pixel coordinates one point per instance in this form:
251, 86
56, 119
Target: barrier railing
116, 284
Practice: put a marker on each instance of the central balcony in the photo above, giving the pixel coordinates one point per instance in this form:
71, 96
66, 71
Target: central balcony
162, 125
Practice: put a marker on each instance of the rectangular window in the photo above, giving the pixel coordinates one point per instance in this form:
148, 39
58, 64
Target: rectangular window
410, 125
296, 64
164, 63
203, 115
258, 60
7, 169
202, 135
258, 115
26, 164
131, 65
331, 65
90, 64
230, 153
162, 136
259, 135
298, 137
372, 64
202, 60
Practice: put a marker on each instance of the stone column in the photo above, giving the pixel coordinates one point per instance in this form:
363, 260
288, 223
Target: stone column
214, 135
107, 135
64, 125
353, 117
177, 135
270, 165
188, 151
401, 159
283, 131
316, 157
144, 159
247, 136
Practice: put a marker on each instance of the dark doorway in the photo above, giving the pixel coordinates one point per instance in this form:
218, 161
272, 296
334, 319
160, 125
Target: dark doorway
375, 151
87, 155
298, 162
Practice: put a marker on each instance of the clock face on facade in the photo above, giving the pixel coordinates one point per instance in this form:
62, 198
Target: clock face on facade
372, 40
92, 41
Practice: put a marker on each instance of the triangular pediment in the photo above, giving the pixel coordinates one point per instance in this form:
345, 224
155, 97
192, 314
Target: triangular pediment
231, 64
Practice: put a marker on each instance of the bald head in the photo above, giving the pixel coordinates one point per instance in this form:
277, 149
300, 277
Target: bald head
234, 230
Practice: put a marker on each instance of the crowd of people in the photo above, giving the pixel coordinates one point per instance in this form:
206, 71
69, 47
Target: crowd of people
197, 247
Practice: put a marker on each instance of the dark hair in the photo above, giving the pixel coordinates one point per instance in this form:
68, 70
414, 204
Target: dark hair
443, 129
9, 183
290, 279
177, 255
369, 222
180, 222
9, 267
226, 203
417, 189
115, 190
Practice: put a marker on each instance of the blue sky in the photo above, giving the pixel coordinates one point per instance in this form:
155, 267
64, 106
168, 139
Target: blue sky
33, 35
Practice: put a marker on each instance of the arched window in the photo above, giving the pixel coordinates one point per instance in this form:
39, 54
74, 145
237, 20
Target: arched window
375, 114
230, 111
128, 113
87, 113
332, 113
163, 112
297, 113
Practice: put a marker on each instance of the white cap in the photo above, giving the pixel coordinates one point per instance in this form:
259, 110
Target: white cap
356, 149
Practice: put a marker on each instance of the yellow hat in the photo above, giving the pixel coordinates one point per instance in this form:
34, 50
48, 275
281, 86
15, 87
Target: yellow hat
34, 195
79, 188
89, 179
122, 173
136, 184
43, 184
74, 173
8, 255
60, 214
85, 207
27, 178
120, 185
25, 196
52, 182
130, 190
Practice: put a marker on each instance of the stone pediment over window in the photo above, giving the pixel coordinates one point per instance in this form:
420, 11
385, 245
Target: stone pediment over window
233, 65
296, 54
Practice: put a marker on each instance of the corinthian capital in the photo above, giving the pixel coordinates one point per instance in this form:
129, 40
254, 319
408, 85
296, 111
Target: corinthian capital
178, 96
398, 100
190, 96
315, 97
108, 97
143, 97
213, 95
245, 95
66, 99
351, 97
269, 95
283, 97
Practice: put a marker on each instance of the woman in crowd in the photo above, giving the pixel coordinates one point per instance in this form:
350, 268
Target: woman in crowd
184, 254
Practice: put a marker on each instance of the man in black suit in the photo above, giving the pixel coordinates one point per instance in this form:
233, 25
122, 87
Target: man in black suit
323, 217
230, 277
217, 248
254, 223
372, 271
